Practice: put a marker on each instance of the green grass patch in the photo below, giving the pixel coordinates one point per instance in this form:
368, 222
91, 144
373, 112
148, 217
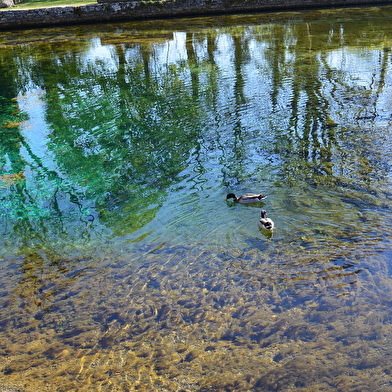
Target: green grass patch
50, 3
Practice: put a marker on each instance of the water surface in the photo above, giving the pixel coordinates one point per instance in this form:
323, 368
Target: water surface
123, 267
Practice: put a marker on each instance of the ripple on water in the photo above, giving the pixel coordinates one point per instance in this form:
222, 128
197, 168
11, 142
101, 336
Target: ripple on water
187, 294
201, 317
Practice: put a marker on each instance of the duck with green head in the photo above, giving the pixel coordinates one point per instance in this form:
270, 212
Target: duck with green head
247, 198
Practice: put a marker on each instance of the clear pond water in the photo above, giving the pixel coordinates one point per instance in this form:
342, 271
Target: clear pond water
124, 268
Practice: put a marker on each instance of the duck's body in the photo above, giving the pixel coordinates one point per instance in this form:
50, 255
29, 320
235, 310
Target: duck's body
247, 198
266, 223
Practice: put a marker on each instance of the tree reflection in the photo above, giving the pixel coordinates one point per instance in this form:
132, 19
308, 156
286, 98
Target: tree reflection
123, 134
130, 121
127, 118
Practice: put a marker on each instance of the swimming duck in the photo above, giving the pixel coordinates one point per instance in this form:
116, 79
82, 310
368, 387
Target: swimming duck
247, 198
266, 223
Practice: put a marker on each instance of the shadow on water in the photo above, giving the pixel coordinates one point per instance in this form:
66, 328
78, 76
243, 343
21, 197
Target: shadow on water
123, 267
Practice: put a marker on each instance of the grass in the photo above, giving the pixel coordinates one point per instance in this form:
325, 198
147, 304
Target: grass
50, 3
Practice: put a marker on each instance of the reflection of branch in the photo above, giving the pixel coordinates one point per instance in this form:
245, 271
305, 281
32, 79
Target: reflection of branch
383, 71
309, 36
239, 96
192, 62
277, 54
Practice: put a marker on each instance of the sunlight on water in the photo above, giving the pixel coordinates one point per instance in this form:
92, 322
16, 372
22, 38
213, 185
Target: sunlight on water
124, 267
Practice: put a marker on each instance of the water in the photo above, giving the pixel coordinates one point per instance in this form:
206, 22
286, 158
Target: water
123, 267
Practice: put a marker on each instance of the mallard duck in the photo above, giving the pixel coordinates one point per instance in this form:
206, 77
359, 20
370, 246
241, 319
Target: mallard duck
247, 198
266, 223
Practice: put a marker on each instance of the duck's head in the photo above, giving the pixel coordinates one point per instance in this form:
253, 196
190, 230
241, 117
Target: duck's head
231, 196
263, 213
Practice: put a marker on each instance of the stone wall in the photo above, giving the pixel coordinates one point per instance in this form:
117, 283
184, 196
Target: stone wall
108, 10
